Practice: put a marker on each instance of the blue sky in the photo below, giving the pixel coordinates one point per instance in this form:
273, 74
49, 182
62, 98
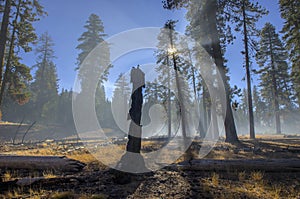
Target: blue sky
66, 19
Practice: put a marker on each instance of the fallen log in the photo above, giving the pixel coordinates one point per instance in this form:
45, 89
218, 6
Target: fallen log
41, 163
267, 165
36, 182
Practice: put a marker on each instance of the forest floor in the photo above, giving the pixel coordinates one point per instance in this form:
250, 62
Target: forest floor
98, 181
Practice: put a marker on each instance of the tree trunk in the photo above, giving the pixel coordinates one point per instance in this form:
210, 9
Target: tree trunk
41, 163
10, 54
275, 90
135, 129
205, 103
230, 129
169, 102
273, 165
3, 39
179, 89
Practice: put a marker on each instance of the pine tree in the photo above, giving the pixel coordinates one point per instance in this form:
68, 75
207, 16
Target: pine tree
246, 14
121, 100
155, 92
64, 109
122, 89
198, 29
272, 59
93, 36
165, 72
90, 39
171, 63
207, 27
16, 75
45, 83
3, 35
92, 72
290, 11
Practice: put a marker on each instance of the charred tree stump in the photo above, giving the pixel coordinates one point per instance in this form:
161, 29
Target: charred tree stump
132, 161
135, 112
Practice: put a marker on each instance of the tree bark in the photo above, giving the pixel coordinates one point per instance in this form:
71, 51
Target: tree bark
41, 163
273, 165
3, 35
10, 54
275, 90
179, 88
169, 102
3, 38
230, 129
248, 74
135, 112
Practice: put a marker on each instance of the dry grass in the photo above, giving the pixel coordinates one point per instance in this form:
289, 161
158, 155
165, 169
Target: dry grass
10, 176
8, 123
70, 195
40, 193
254, 184
64, 195
242, 176
215, 179
257, 176
7, 176
49, 174
16, 193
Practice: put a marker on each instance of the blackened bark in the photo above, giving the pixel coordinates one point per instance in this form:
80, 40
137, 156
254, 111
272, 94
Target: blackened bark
135, 112
230, 129
3, 38
249, 89
3, 34
10, 54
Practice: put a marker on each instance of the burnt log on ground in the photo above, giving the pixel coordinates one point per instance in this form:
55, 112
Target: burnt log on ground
266, 165
40, 163
34, 182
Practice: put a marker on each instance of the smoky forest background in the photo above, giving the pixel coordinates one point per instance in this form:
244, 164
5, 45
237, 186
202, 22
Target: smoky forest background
267, 101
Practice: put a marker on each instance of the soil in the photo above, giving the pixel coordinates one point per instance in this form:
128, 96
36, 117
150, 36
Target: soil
98, 181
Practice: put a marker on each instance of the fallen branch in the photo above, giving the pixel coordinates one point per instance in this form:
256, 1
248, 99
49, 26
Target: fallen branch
271, 165
28, 131
17, 131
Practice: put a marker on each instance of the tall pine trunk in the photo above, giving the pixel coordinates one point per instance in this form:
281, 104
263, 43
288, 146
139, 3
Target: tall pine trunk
3, 40
169, 102
274, 88
178, 85
249, 89
230, 129
10, 54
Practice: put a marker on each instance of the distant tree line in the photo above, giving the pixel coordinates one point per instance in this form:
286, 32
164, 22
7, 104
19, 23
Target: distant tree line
31, 98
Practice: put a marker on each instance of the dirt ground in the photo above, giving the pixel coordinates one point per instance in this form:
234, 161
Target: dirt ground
98, 181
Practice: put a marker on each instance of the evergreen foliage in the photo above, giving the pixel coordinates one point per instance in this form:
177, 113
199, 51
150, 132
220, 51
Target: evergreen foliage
290, 12
45, 84
274, 73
